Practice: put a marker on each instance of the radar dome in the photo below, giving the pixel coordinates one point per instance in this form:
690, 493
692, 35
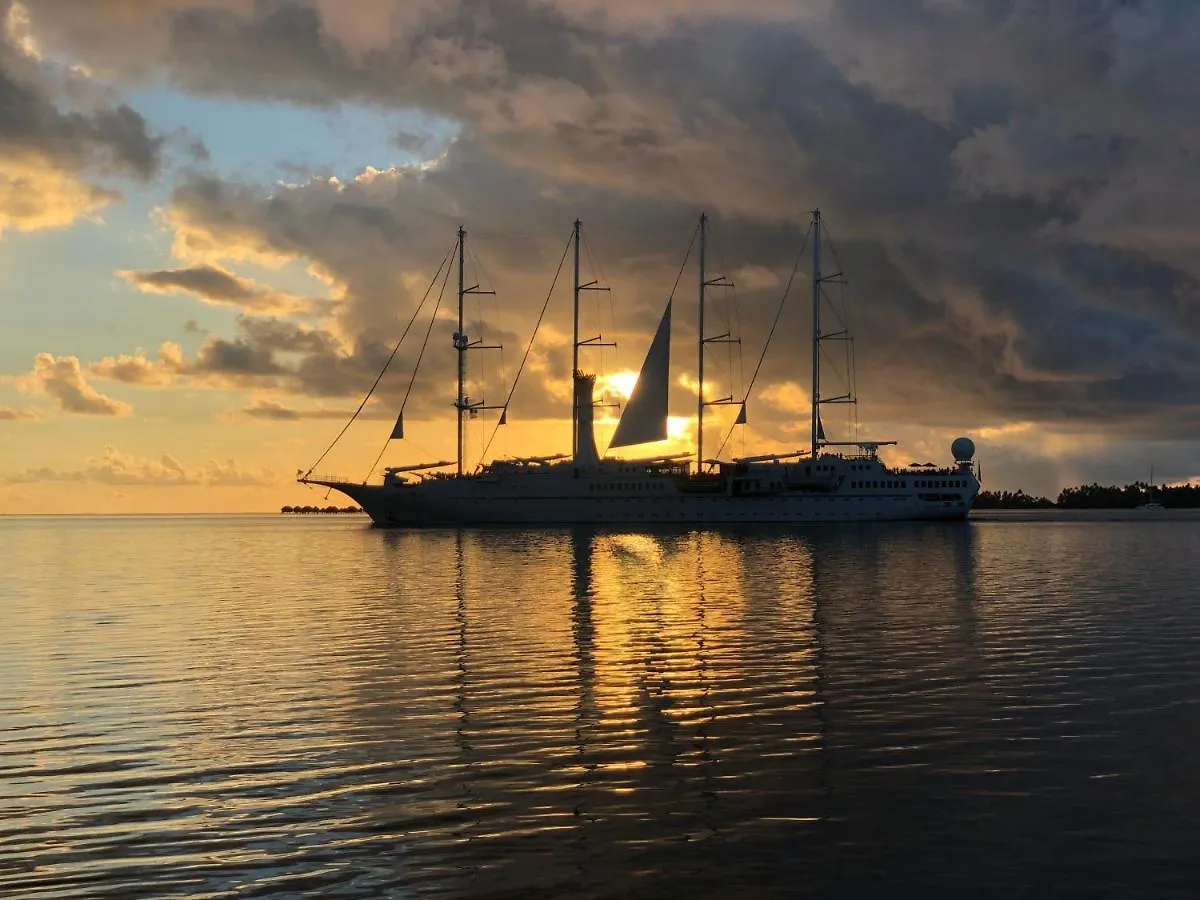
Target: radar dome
963, 449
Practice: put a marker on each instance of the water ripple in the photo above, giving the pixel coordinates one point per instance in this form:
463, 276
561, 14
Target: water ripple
251, 706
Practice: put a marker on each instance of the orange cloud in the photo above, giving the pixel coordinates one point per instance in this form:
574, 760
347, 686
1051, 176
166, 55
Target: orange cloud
62, 378
35, 195
114, 467
8, 414
217, 287
138, 369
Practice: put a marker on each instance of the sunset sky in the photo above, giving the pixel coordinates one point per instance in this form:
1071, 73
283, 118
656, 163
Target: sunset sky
217, 217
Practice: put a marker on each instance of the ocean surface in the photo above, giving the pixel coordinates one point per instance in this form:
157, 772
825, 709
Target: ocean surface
275, 706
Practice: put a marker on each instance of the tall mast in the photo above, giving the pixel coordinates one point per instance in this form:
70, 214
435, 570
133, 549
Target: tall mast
700, 365
576, 343
575, 349
816, 338
704, 340
463, 344
460, 343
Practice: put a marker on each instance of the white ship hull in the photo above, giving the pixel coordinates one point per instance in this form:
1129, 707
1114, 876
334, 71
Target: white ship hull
477, 501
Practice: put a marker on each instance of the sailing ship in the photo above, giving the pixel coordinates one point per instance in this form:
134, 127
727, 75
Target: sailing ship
1152, 504
827, 482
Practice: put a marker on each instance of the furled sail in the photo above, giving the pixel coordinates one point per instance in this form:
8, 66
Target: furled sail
644, 418
398, 428
585, 438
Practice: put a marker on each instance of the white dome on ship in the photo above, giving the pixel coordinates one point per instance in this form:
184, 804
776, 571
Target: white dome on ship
963, 449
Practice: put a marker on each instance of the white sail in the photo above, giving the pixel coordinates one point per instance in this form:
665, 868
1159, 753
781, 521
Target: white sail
644, 418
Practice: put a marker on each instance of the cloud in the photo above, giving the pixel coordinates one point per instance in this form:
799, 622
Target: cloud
46, 151
114, 467
35, 196
8, 414
62, 378
217, 287
1014, 252
138, 369
275, 411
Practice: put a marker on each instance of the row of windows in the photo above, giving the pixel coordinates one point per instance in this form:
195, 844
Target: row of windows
627, 486
920, 484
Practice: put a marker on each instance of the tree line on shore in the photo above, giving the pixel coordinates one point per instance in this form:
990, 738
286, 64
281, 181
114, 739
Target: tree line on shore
308, 510
1095, 496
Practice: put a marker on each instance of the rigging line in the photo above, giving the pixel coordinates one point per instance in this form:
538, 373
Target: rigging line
742, 359
499, 333
686, 257
731, 308
775, 324
416, 366
731, 303
602, 280
529, 349
395, 350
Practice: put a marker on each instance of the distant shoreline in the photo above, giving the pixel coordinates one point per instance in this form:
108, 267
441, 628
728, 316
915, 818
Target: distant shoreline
1095, 496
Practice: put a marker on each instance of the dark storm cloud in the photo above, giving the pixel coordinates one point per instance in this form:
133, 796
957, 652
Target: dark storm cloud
1008, 182
115, 139
237, 357
57, 132
30, 121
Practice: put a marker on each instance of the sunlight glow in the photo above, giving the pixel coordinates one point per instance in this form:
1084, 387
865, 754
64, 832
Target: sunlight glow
619, 383
680, 428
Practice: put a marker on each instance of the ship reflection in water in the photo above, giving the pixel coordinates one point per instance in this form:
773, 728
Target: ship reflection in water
920, 709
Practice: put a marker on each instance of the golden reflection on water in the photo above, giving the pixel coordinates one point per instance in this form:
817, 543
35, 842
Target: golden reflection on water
263, 703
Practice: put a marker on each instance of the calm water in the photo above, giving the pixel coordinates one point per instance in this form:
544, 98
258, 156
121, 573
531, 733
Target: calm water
262, 705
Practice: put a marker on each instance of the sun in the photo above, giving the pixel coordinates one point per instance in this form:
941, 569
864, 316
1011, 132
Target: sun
621, 383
